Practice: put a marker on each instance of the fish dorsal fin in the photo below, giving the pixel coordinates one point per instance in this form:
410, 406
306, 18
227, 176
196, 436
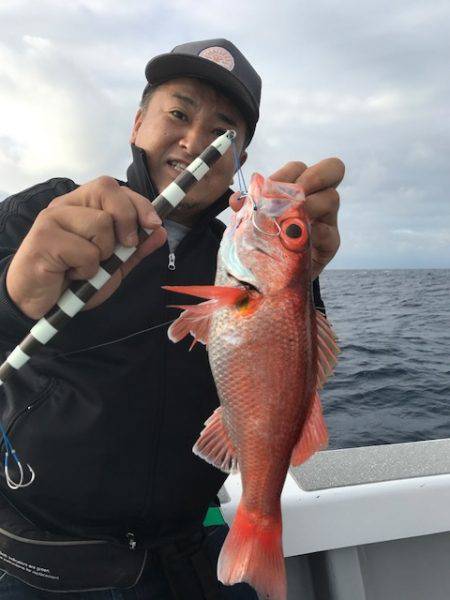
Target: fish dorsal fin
327, 349
314, 434
215, 446
313, 437
195, 318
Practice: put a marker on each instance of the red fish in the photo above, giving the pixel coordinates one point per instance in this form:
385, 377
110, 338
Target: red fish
270, 352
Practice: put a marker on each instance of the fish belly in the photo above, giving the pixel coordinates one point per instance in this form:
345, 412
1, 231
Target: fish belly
263, 369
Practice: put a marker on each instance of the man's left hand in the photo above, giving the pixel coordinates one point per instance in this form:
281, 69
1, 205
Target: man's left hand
322, 203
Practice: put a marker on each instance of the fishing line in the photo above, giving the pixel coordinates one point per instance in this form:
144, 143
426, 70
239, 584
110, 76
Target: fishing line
114, 341
240, 174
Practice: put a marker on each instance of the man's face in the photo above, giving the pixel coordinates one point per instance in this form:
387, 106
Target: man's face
182, 118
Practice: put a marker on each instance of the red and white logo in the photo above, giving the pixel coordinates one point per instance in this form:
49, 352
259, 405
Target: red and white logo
219, 55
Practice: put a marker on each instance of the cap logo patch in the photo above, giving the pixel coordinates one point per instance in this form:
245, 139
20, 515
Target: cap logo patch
219, 55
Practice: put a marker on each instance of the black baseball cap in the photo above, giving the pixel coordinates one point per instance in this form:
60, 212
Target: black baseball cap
217, 61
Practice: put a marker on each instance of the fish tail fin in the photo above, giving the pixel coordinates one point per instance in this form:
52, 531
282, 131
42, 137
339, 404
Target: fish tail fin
253, 552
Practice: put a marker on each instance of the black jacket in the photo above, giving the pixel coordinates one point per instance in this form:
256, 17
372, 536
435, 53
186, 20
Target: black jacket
109, 431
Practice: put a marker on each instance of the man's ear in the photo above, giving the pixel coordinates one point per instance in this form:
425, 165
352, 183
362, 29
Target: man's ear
243, 157
137, 123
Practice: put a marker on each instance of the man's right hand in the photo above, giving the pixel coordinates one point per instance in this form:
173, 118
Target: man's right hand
70, 238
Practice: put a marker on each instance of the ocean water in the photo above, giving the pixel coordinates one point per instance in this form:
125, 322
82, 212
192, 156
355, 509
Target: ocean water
392, 381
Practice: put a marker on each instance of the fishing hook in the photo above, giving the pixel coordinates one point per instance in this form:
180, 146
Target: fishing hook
9, 480
255, 209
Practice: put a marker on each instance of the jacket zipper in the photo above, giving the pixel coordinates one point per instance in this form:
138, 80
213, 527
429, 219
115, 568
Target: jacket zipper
171, 264
131, 540
149, 500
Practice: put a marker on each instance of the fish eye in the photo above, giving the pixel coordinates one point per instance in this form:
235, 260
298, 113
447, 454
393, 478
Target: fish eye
293, 230
294, 234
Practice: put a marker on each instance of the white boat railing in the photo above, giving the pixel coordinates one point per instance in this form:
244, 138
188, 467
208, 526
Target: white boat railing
362, 495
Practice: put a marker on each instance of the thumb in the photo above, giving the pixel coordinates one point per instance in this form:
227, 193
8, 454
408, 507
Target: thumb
236, 200
153, 242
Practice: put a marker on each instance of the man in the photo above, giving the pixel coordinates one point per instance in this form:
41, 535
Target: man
119, 498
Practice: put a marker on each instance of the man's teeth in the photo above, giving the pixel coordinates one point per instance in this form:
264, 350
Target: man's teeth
177, 165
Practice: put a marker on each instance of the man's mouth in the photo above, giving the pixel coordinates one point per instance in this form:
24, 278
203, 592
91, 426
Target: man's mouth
177, 165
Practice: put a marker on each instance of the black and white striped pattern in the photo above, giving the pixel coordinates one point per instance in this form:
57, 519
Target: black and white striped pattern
75, 297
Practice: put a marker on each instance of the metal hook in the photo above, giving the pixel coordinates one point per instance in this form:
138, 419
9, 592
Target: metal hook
9, 480
244, 195
255, 209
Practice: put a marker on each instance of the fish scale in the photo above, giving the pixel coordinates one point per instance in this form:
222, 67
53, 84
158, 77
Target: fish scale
247, 387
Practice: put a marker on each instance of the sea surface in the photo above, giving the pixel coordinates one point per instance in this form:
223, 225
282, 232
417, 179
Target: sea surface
392, 381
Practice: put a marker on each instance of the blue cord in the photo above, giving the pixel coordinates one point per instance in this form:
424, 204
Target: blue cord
241, 180
6, 441
9, 451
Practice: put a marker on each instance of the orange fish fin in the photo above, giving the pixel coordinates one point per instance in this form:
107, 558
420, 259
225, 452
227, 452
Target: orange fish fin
313, 437
196, 318
223, 294
328, 349
253, 552
193, 320
215, 446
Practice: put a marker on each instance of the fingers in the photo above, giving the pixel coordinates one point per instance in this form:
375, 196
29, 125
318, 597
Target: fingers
155, 240
83, 225
236, 201
127, 208
145, 213
290, 173
325, 243
323, 206
325, 174
115, 220
152, 243
70, 238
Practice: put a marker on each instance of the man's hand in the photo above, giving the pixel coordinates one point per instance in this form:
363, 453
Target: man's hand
70, 238
322, 203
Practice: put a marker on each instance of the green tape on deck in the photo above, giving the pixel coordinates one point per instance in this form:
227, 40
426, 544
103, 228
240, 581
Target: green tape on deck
213, 517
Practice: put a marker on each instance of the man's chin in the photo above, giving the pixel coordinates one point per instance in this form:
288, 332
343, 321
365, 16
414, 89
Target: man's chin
186, 213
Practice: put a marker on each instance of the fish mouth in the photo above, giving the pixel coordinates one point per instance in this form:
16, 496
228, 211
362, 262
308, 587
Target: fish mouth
240, 283
262, 251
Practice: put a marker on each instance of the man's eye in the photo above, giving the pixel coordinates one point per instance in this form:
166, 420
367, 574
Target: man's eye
178, 114
219, 131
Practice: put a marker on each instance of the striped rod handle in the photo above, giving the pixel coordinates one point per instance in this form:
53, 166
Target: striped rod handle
79, 293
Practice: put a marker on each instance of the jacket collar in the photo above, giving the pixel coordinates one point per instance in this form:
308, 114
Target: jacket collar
140, 181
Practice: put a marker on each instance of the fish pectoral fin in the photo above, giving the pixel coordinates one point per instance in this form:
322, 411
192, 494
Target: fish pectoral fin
223, 294
215, 446
313, 437
328, 349
195, 318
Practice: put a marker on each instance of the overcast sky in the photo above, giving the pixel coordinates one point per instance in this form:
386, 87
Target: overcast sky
366, 81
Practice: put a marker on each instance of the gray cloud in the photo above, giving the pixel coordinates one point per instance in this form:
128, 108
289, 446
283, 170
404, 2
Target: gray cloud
367, 82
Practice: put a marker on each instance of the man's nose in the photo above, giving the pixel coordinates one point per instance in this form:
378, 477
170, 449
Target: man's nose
194, 140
